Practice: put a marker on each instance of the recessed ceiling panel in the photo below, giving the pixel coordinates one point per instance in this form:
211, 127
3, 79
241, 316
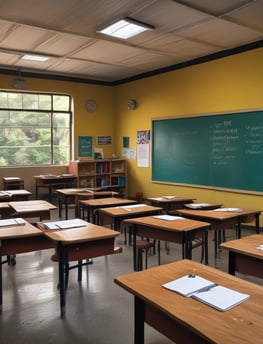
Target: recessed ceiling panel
63, 44
7, 58
221, 33
166, 15
108, 52
25, 38
250, 15
215, 7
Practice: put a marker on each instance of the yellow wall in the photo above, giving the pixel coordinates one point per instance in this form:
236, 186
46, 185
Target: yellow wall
229, 84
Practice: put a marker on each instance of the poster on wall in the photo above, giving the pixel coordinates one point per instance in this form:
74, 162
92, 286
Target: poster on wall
143, 148
104, 140
85, 146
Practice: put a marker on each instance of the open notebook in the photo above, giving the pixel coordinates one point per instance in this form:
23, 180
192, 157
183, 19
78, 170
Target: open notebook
65, 224
201, 289
12, 222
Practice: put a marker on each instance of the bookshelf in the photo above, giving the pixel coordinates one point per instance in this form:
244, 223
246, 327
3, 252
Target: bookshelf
110, 174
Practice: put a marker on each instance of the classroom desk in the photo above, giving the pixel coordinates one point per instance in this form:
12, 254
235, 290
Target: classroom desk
68, 196
115, 215
180, 231
91, 206
168, 203
77, 244
28, 209
14, 195
11, 183
243, 255
185, 320
20, 239
49, 181
80, 196
223, 219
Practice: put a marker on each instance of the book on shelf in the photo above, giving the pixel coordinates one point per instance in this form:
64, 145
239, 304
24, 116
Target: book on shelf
208, 292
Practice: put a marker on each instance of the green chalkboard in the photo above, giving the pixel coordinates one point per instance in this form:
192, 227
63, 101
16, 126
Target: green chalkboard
85, 146
221, 151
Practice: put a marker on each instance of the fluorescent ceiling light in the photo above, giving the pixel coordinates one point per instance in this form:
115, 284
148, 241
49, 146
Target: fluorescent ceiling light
32, 57
126, 28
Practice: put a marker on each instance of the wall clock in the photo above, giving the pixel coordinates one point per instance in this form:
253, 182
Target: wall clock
132, 104
91, 106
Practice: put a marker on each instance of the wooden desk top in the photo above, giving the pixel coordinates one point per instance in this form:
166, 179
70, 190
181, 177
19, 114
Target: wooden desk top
176, 225
12, 179
31, 206
8, 194
246, 245
19, 231
129, 210
218, 215
17, 192
90, 232
100, 202
239, 325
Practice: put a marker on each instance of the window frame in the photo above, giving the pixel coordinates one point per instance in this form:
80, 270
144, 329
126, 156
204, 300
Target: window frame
50, 111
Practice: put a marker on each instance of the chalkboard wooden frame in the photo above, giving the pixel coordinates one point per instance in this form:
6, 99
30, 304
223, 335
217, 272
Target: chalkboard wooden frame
216, 151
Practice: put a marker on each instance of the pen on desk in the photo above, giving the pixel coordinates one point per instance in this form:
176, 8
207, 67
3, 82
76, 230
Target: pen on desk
205, 289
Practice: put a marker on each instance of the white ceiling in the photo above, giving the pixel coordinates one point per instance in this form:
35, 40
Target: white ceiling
66, 30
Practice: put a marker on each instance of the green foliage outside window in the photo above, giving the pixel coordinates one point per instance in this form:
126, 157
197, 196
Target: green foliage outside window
35, 129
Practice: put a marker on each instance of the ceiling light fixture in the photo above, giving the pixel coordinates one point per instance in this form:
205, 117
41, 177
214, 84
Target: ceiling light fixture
33, 57
126, 28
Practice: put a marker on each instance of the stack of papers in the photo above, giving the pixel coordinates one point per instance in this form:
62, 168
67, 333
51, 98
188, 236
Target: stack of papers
12, 222
168, 217
65, 224
201, 289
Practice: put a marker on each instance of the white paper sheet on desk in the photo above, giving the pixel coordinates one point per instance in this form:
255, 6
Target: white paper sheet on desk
197, 205
73, 223
12, 222
168, 217
133, 206
234, 210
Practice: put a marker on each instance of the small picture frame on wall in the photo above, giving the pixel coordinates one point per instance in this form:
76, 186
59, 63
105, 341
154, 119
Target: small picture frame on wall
104, 140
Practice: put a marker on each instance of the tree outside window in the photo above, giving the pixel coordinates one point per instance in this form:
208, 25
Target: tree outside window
35, 129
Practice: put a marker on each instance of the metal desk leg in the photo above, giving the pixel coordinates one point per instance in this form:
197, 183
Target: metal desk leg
62, 290
257, 223
139, 315
1, 278
231, 263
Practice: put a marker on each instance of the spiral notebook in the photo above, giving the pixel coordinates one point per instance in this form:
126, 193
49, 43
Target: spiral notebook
208, 292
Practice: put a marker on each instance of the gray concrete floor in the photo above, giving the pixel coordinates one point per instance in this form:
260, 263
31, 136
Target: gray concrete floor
97, 310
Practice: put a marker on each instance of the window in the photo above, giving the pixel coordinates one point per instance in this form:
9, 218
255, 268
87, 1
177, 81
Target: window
35, 129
